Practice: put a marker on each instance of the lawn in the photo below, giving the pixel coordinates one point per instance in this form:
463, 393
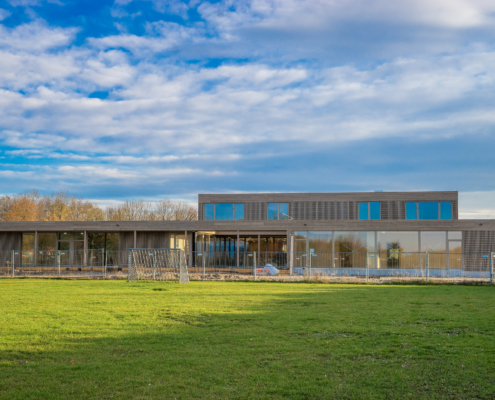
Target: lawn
67, 339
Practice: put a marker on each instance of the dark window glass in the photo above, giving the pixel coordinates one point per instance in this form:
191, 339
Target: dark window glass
239, 211
224, 212
64, 236
411, 210
79, 236
428, 210
47, 241
272, 210
283, 211
445, 210
375, 210
363, 210
209, 212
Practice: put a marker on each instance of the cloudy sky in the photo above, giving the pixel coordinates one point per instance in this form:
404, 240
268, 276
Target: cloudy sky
164, 98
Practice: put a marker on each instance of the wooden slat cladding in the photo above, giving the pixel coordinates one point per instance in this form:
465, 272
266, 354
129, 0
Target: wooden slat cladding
327, 206
9, 241
478, 241
126, 241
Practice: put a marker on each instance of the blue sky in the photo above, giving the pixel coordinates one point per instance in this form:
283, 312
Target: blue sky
149, 99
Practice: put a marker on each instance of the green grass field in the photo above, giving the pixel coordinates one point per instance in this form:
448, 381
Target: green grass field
212, 340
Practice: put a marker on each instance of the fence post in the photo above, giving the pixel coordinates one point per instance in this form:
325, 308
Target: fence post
153, 258
105, 266
254, 264
57, 263
203, 262
367, 268
492, 254
12, 263
427, 262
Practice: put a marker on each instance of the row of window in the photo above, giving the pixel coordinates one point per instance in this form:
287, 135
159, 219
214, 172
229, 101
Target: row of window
426, 210
429, 210
414, 210
224, 212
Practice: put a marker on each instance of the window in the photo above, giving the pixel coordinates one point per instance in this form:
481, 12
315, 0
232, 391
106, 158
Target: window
375, 210
283, 210
428, 210
209, 212
369, 210
239, 211
272, 210
363, 210
278, 211
445, 210
224, 212
411, 210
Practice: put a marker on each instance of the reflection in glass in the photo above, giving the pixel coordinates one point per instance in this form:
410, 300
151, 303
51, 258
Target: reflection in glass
272, 211
300, 234
209, 212
283, 211
397, 250
352, 249
27, 248
455, 235
320, 242
375, 210
428, 210
239, 212
363, 211
64, 236
434, 249
411, 210
445, 210
224, 212
455, 254
78, 235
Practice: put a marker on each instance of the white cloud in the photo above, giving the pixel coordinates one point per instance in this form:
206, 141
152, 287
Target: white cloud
4, 14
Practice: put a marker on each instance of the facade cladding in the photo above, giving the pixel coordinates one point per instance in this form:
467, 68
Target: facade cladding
397, 229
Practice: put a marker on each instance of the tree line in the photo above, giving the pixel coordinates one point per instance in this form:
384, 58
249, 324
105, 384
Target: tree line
63, 206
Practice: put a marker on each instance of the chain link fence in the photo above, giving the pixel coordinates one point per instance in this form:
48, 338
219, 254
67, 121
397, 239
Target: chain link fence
252, 265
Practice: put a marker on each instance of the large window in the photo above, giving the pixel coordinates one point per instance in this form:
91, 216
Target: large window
428, 210
369, 210
224, 212
278, 211
398, 250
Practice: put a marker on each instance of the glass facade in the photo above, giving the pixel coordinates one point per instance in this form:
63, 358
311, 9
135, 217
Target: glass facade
224, 212
398, 249
27, 248
428, 210
434, 249
209, 212
352, 249
445, 210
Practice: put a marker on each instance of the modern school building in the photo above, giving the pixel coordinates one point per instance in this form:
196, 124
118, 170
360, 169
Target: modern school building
386, 233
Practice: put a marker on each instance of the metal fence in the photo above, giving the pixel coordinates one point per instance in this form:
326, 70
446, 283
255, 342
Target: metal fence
63, 263
244, 264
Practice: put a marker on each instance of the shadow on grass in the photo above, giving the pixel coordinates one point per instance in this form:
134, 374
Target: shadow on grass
312, 341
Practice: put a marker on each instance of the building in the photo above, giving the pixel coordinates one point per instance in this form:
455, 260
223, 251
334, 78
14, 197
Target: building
378, 230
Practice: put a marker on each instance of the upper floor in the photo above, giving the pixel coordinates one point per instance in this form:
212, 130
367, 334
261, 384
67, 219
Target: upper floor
329, 206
